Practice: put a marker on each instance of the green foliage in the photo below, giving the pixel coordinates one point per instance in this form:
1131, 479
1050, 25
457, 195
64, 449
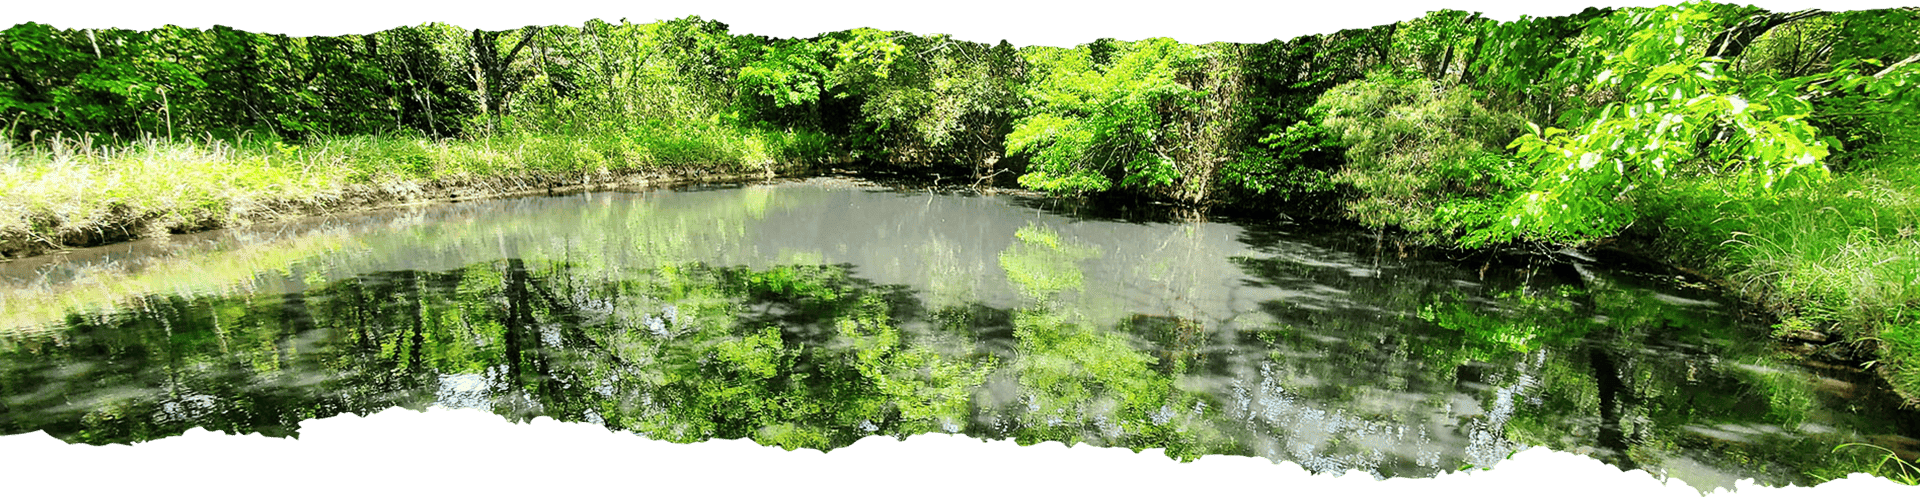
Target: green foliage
56, 83
764, 382
1123, 123
76, 187
1285, 166
1835, 258
946, 102
789, 72
1680, 114
1674, 112
1422, 157
1902, 471
802, 78
1864, 86
1075, 375
1644, 118
1068, 364
1701, 123
176, 81
862, 54
1284, 79
1518, 58
922, 385
1433, 43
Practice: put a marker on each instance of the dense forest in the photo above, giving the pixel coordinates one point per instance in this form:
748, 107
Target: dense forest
1772, 152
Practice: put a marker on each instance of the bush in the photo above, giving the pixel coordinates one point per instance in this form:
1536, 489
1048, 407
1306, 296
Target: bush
1155, 117
1422, 157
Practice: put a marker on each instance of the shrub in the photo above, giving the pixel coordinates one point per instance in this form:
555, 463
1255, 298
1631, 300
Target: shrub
1422, 157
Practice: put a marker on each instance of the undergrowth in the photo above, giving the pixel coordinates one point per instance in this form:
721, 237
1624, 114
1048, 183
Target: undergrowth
1839, 259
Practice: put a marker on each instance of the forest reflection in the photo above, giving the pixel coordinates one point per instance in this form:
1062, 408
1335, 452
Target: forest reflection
1270, 340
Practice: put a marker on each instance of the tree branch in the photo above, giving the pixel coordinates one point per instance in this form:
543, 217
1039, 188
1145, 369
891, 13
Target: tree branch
1880, 74
1733, 41
26, 87
1903, 62
526, 37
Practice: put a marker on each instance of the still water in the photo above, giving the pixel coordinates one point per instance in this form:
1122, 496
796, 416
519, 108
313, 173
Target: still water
813, 313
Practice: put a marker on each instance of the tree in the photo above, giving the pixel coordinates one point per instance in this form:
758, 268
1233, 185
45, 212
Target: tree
1157, 117
1676, 109
1421, 156
494, 82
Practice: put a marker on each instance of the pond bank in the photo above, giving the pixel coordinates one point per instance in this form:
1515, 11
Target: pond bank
122, 225
74, 193
77, 194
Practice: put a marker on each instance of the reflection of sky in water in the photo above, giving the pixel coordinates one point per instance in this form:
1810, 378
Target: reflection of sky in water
936, 244
1309, 430
464, 390
1337, 297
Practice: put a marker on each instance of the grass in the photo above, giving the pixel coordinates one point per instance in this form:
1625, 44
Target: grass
77, 192
1840, 258
1902, 472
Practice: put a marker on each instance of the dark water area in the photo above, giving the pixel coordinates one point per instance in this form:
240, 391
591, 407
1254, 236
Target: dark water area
814, 313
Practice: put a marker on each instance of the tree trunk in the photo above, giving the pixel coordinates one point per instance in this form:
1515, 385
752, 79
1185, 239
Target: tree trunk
1385, 47
371, 43
481, 48
490, 81
1473, 54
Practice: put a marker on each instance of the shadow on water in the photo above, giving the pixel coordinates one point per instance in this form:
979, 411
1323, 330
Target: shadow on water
811, 314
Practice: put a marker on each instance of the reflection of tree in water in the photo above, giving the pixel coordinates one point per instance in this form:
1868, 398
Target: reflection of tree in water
1178, 342
1438, 366
794, 355
1396, 368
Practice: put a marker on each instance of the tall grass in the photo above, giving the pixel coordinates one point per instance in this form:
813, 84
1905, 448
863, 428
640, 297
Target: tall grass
77, 191
1901, 471
1841, 257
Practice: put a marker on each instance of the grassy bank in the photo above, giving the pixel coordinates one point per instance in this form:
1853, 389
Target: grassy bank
1838, 262
68, 192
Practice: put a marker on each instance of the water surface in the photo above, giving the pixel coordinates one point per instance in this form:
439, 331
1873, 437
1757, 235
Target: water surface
813, 313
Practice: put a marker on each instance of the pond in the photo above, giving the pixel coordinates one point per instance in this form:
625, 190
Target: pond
812, 313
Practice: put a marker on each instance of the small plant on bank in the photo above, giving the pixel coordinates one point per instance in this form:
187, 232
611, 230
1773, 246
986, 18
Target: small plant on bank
1901, 471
